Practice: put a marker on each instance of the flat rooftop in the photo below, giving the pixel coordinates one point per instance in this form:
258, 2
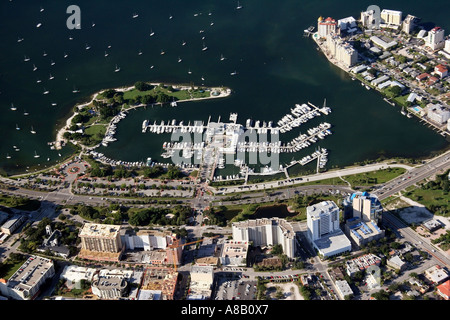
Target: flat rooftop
100, 230
235, 249
30, 273
285, 226
332, 243
202, 269
317, 209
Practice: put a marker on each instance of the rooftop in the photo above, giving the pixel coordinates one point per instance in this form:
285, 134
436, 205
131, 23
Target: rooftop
322, 207
100, 230
30, 273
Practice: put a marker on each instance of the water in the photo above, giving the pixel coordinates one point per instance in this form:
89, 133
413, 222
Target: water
263, 42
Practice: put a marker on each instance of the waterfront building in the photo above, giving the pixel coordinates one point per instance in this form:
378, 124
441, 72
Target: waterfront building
100, 242
435, 39
379, 80
347, 25
24, 284
447, 46
391, 17
323, 229
438, 113
343, 289
363, 205
341, 50
326, 26
422, 34
202, 278
266, 232
12, 224
368, 19
409, 24
234, 253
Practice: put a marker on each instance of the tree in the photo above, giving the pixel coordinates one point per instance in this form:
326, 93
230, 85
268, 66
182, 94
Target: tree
141, 86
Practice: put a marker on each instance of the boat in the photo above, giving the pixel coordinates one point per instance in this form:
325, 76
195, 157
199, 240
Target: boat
39, 25
403, 112
34, 68
17, 127
239, 6
117, 69
45, 91
135, 15
54, 104
26, 59
25, 113
8, 156
189, 72
36, 155
179, 59
106, 54
170, 17
409, 115
233, 73
19, 40
163, 52
51, 77
152, 33
13, 108
222, 57
38, 81
151, 67
88, 47
75, 90
44, 54
203, 78
149, 162
32, 130
183, 43
204, 47
367, 87
93, 24
65, 55
140, 53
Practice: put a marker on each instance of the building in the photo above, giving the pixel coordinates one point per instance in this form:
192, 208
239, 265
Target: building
409, 24
100, 242
160, 279
363, 205
441, 70
150, 295
444, 290
234, 253
447, 46
379, 80
435, 39
437, 113
347, 25
52, 243
12, 224
24, 284
343, 289
368, 19
391, 17
363, 232
396, 263
436, 274
361, 263
74, 274
202, 278
323, 229
326, 26
432, 225
383, 44
341, 50
266, 232
109, 287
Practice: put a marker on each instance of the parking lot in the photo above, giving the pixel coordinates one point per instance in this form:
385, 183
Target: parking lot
233, 286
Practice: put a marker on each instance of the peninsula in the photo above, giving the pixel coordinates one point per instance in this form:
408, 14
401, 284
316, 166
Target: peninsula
96, 120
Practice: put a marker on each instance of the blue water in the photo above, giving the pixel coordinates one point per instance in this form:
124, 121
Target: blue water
276, 67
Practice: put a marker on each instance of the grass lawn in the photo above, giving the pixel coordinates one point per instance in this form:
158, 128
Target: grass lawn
177, 94
436, 201
374, 177
19, 203
96, 129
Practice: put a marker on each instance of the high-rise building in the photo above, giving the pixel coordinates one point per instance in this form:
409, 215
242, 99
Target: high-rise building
364, 206
264, 232
391, 17
368, 19
435, 39
447, 45
326, 26
100, 242
342, 51
323, 229
409, 24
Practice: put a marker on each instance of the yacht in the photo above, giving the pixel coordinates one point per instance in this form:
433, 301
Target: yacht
239, 6
189, 72
163, 52
46, 91
88, 47
32, 130
25, 113
41, 10
19, 40
65, 55
204, 47
75, 90
51, 77
38, 81
151, 67
233, 73
106, 54
54, 104
93, 24
117, 69
26, 59
39, 25
36, 155
17, 127
52, 63
13, 108
8, 156
183, 43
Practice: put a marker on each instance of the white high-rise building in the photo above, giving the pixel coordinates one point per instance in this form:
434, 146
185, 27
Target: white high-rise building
435, 38
263, 232
322, 219
326, 26
368, 19
447, 46
342, 51
409, 24
391, 17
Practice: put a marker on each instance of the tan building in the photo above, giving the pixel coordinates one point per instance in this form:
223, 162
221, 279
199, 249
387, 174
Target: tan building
234, 253
100, 242
342, 51
391, 17
326, 26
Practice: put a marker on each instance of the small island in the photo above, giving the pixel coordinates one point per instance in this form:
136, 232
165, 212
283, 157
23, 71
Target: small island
92, 121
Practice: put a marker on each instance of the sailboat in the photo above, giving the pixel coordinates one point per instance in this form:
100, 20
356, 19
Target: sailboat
8, 156
163, 52
32, 130
222, 57
189, 72
45, 91
152, 33
17, 127
34, 68
106, 54
36, 155
204, 47
179, 59
26, 59
13, 108
233, 73
117, 69
135, 15
51, 77
239, 6
87, 46
25, 113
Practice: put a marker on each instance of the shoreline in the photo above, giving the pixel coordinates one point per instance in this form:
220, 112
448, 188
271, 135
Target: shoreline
60, 140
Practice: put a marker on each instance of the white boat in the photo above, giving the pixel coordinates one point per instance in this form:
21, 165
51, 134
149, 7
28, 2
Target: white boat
52, 63
189, 72
26, 59
93, 24
151, 67
75, 90
65, 55
45, 91
179, 59
41, 10
135, 15
88, 47
36, 155
239, 6
25, 113
32, 130
13, 108
54, 104
106, 54
51, 77
39, 25
152, 33
233, 73
17, 127
204, 47
222, 57
19, 40
44, 54
8, 156
140, 53
117, 69
183, 43
34, 68
163, 52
